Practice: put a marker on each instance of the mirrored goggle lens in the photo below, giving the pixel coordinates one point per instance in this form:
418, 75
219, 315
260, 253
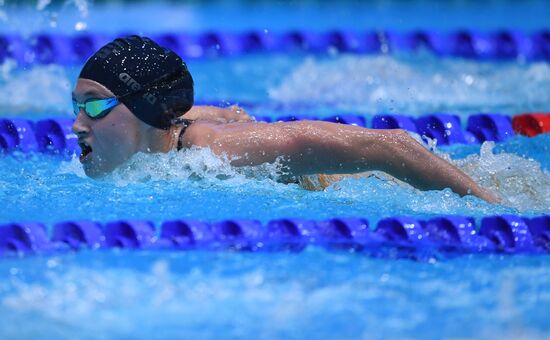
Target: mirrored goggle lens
95, 108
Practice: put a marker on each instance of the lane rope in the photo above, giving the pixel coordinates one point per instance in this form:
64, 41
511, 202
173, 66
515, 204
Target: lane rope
401, 236
46, 48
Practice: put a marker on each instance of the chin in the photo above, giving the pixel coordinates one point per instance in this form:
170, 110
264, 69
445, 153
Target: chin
98, 166
94, 171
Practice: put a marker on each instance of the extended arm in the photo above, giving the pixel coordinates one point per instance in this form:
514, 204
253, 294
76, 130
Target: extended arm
310, 147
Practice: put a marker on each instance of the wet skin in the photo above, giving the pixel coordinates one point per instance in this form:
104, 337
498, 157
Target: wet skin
303, 147
113, 138
119, 135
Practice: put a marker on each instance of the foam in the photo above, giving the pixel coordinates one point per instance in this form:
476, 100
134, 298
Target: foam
44, 16
415, 85
191, 164
520, 181
40, 90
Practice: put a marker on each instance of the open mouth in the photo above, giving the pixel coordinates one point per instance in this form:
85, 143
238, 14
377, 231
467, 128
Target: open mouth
86, 151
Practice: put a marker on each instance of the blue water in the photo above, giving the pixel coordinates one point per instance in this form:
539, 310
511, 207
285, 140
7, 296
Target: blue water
274, 295
317, 293
276, 16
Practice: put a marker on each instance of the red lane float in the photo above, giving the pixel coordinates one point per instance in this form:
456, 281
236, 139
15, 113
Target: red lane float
531, 124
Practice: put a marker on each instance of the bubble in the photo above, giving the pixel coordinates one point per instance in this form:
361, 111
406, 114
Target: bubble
79, 26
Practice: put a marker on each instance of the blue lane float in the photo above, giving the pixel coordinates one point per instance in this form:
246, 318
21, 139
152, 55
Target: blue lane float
23, 238
77, 234
290, 233
185, 234
54, 135
472, 44
450, 231
47, 136
508, 233
399, 236
129, 234
540, 231
17, 134
46, 48
238, 234
490, 126
444, 128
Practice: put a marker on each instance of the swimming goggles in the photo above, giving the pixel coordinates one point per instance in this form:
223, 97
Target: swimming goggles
95, 108
99, 108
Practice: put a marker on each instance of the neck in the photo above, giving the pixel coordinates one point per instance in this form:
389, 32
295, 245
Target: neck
161, 141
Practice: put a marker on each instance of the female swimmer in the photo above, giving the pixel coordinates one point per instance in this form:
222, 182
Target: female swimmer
134, 96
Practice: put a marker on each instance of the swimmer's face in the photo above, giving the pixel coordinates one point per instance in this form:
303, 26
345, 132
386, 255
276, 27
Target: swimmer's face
107, 142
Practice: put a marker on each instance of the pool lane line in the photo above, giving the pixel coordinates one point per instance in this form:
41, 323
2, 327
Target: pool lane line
393, 237
505, 44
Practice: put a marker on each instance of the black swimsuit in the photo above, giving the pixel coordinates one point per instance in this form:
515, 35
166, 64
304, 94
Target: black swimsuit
185, 123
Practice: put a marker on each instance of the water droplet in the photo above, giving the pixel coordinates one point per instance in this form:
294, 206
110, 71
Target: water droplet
79, 26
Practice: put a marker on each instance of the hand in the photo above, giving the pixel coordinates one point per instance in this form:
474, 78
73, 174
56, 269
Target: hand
217, 114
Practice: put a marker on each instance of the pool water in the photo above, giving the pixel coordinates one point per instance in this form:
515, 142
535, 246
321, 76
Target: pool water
273, 295
315, 293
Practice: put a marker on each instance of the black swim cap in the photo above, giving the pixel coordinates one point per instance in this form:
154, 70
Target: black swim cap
153, 81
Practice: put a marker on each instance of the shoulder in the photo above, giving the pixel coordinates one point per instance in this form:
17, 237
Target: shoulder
200, 133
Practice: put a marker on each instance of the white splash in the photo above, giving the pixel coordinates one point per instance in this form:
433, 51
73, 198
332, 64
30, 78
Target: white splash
72, 166
387, 83
40, 89
191, 164
520, 181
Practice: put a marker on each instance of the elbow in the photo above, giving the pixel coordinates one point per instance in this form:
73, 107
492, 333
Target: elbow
393, 146
399, 140
398, 135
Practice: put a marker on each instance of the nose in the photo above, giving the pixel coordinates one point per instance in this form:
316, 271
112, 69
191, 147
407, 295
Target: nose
81, 126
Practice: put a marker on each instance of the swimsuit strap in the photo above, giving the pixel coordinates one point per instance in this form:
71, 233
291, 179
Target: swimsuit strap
185, 123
